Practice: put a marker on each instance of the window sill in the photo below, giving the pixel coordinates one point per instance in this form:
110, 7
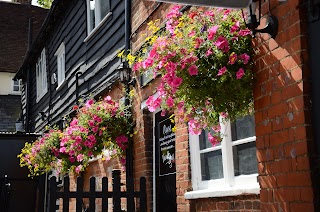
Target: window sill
41, 96
224, 191
61, 85
96, 29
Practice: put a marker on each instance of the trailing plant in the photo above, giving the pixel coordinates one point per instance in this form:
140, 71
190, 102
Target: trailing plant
100, 128
204, 59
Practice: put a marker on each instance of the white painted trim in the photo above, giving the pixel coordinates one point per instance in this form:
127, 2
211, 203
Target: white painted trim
224, 191
93, 32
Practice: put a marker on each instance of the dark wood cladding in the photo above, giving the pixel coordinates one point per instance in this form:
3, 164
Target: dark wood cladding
96, 59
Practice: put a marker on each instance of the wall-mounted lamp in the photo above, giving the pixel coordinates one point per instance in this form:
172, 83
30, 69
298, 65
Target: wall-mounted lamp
251, 21
124, 75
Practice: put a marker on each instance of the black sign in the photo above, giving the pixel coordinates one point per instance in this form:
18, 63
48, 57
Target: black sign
167, 140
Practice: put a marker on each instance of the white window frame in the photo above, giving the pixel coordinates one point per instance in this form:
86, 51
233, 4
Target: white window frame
19, 86
41, 75
230, 185
60, 54
99, 20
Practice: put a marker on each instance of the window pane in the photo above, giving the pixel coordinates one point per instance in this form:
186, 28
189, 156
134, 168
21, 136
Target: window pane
211, 165
204, 141
245, 159
92, 14
243, 128
105, 8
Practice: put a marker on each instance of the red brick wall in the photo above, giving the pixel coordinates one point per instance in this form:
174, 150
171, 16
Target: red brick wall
283, 113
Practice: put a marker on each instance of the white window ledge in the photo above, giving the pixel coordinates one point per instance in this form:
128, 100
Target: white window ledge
96, 29
224, 191
61, 85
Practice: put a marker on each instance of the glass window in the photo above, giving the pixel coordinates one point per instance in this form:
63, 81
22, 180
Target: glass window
96, 11
60, 54
17, 85
228, 163
41, 75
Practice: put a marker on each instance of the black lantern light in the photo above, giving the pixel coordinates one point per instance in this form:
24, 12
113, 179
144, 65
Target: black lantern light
252, 22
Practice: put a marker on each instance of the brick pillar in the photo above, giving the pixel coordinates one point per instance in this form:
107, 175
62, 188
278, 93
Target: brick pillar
283, 111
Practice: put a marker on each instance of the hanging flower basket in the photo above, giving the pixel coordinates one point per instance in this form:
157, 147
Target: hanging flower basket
204, 59
99, 127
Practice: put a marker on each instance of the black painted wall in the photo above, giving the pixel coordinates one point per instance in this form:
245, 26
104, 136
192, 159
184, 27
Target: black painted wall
96, 59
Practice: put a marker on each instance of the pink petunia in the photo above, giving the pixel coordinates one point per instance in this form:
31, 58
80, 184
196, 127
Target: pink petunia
193, 70
89, 103
170, 102
232, 58
209, 52
78, 169
80, 157
240, 73
213, 139
245, 58
176, 82
212, 32
222, 71
244, 32
222, 44
147, 63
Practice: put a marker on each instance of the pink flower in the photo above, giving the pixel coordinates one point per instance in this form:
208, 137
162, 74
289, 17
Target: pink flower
89, 103
223, 114
199, 41
91, 123
80, 157
176, 82
137, 66
62, 150
212, 32
163, 112
235, 27
74, 122
193, 70
170, 102
192, 33
95, 129
209, 13
92, 138
222, 71
222, 44
245, 58
216, 128
240, 73
213, 139
72, 159
78, 169
153, 104
209, 52
194, 127
244, 32
232, 58
147, 63
171, 67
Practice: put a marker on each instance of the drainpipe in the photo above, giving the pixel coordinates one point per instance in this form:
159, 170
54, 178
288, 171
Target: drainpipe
28, 81
129, 152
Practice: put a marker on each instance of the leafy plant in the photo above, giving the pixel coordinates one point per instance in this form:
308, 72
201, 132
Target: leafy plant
100, 128
204, 59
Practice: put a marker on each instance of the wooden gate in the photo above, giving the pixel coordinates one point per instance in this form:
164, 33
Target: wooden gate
116, 194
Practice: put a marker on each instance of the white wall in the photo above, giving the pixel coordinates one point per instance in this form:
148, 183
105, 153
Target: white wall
6, 84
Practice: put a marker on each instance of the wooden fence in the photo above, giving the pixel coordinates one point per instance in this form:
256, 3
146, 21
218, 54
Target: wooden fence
116, 194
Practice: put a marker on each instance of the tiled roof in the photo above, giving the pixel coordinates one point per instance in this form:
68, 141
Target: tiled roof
14, 25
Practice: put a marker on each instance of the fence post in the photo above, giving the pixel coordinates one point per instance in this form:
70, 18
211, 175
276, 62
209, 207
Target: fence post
143, 195
92, 195
116, 190
79, 194
66, 193
53, 194
105, 194
130, 194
